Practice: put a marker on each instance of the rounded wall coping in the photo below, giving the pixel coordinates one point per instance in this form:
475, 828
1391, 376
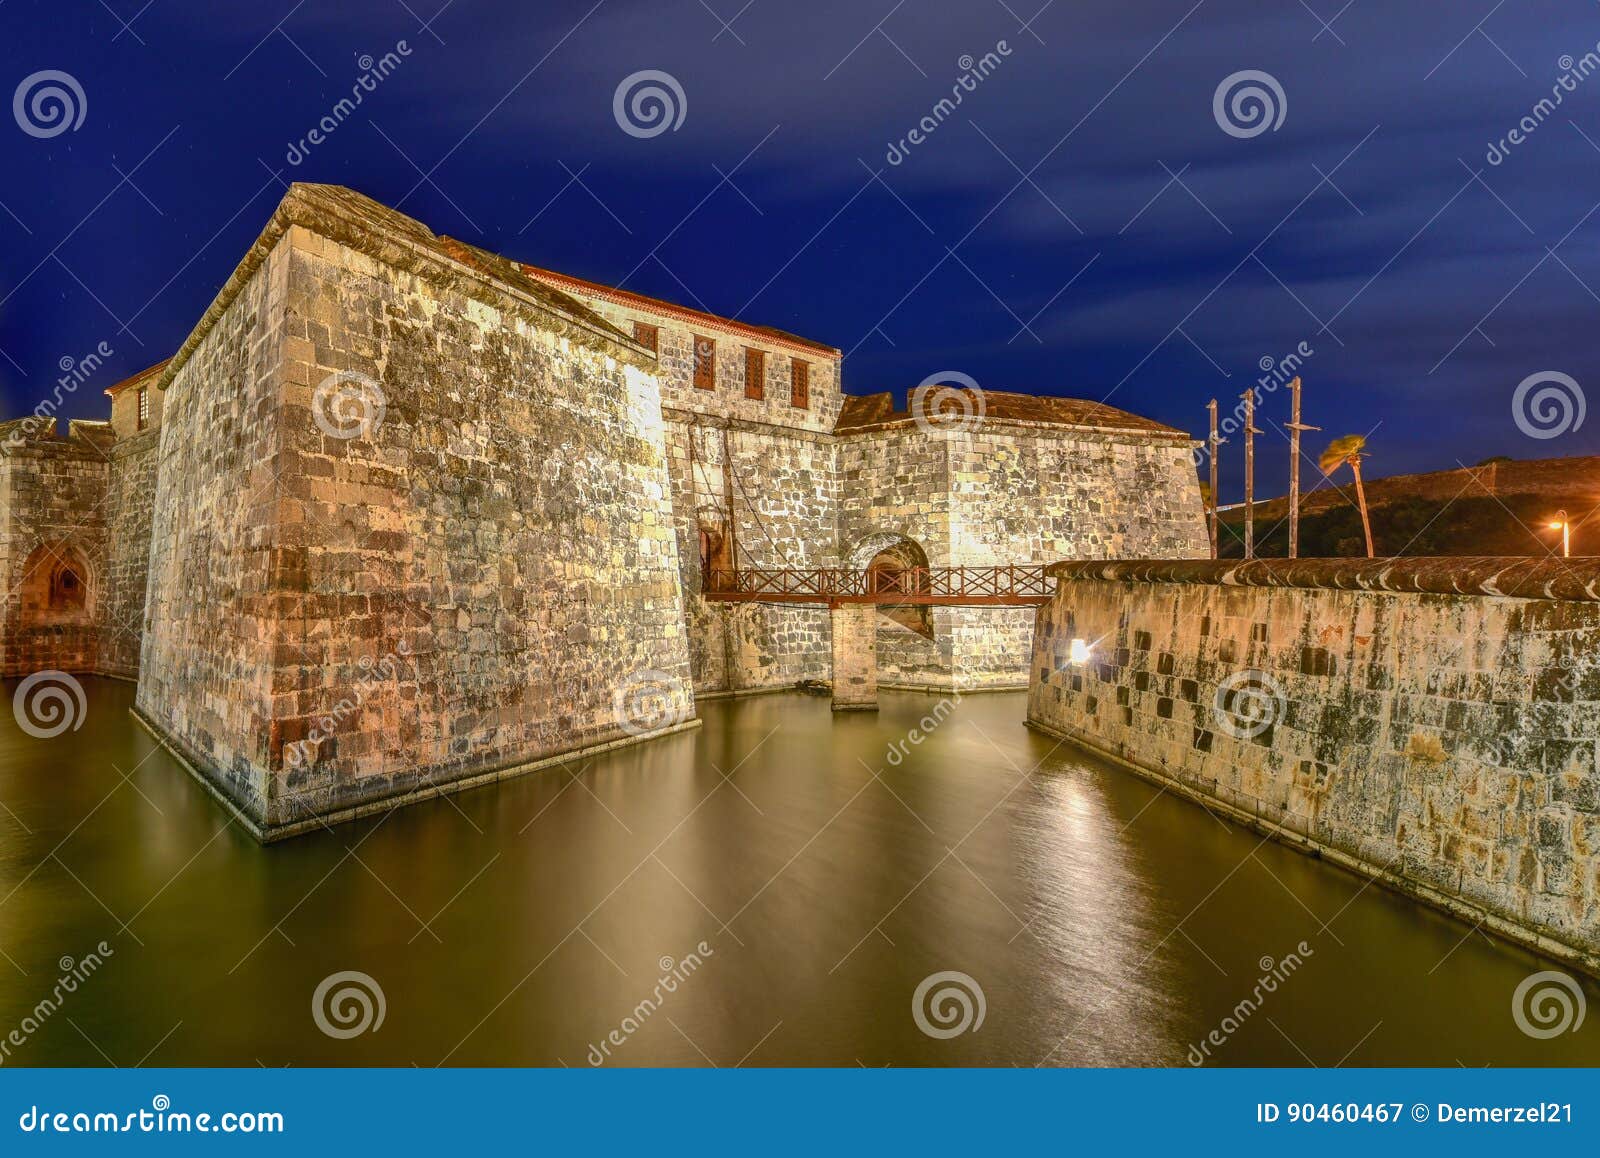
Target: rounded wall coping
1512, 577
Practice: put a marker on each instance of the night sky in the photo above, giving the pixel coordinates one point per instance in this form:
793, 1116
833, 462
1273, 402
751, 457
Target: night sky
1081, 225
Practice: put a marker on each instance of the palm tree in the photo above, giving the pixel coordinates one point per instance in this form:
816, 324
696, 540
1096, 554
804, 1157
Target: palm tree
1351, 448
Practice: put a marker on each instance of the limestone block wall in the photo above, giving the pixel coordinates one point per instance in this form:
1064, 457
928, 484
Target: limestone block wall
780, 499
130, 504
895, 482
1029, 493
1009, 492
215, 571
1023, 492
783, 470
1432, 722
413, 526
504, 539
729, 396
52, 506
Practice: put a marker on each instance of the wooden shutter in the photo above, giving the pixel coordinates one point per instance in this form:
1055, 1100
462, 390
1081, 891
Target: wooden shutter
800, 384
755, 374
705, 363
647, 335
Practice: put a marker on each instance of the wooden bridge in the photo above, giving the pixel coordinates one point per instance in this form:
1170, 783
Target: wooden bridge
1009, 586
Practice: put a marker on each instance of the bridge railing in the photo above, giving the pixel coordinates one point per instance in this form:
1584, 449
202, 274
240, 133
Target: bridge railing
1024, 582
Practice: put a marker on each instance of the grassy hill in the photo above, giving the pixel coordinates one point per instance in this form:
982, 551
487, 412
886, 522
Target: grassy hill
1498, 508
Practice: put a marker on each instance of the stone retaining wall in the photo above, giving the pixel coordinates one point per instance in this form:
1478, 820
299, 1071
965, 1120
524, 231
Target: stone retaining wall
130, 504
464, 568
52, 508
1431, 722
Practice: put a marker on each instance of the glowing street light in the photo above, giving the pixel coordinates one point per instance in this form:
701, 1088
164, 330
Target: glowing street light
1079, 652
1561, 524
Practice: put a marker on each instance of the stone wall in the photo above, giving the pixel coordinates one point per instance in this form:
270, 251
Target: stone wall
778, 503
1000, 492
1431, 722
413, 526
130, 504
215, 571
1025, 493
779, 500
895, 483
1032, 493
729, 395
53, 511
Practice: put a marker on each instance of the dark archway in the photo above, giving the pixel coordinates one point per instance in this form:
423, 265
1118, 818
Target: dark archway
57, 586
896, 566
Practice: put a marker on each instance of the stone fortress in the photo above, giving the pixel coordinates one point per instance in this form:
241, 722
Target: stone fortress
402, 516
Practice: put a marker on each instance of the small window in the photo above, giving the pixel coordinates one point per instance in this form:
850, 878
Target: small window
800, 384
705, 363
755, 374
144, 407
647, 335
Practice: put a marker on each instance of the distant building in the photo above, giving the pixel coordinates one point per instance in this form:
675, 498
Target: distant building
402, 515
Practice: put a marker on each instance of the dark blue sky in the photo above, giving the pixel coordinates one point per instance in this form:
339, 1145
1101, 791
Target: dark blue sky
1426, 293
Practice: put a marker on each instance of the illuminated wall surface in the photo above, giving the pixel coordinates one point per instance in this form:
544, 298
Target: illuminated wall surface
1434, 722
406, 514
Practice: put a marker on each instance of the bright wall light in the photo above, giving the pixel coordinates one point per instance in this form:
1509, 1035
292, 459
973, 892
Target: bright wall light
1079, 652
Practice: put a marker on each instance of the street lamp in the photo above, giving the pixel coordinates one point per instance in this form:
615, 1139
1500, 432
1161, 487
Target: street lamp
1561, 524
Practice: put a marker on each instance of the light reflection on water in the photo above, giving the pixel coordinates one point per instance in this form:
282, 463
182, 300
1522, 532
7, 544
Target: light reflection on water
1105, 922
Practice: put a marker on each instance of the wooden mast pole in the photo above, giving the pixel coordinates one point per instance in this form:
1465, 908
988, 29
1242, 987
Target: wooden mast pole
1250, 433
1211, 502
1295, 427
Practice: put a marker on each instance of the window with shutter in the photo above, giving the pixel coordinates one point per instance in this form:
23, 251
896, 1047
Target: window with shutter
755, 374
800, 384
705, 363
647, 335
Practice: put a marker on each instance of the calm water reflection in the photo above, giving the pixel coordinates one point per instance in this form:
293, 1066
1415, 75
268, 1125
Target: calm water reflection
1107, 924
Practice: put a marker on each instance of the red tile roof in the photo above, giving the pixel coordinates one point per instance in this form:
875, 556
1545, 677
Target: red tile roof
147, 374
865, 412
624, 297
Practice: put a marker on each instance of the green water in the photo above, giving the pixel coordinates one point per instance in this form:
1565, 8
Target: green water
1105, 923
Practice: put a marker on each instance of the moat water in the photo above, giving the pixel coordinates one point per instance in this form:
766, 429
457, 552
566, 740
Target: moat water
801, 881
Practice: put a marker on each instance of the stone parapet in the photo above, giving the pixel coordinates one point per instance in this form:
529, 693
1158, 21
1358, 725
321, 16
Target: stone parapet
1518, 578
1433, 723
